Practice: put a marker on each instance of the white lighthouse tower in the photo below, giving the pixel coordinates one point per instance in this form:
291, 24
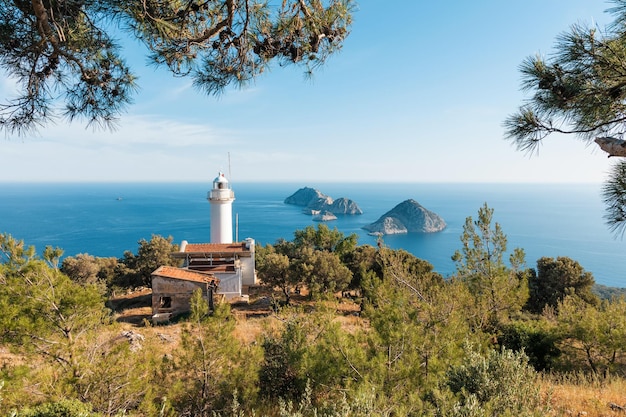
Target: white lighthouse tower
221, 198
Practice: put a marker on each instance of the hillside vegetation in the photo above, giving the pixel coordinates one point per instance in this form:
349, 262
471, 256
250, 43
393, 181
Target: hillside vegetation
335, 329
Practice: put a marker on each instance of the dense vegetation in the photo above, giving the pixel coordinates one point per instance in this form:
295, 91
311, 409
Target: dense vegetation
479, 343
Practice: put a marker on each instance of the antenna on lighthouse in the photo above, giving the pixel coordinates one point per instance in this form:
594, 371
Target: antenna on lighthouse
229, 173
236, 214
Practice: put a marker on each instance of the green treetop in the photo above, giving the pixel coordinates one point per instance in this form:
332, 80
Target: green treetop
499, 290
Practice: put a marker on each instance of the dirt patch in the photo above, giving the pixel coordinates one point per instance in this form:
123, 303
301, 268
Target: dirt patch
9, 359
133, 307
138, 298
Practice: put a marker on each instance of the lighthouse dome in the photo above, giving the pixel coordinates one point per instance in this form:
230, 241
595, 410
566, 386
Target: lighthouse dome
220, 178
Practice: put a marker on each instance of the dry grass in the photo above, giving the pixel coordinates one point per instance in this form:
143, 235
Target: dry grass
250, 330
8, 358
133, 307
583, 397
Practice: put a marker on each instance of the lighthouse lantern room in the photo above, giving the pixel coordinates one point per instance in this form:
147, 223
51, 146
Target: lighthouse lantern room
221, 198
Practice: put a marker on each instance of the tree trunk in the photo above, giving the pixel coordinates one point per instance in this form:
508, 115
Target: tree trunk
287, 297
594, 370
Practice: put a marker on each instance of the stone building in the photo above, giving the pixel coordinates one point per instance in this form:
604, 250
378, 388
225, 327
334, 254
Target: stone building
172, 289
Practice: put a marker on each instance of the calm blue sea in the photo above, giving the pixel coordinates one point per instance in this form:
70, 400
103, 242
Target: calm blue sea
108, 219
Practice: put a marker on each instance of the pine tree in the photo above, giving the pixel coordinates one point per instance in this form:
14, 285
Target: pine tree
498, 290
580, 90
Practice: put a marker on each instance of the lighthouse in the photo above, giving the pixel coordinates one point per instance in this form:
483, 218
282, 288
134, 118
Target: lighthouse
221, 198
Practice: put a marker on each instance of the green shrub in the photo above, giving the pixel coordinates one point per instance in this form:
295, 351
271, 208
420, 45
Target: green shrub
537, 343
500, 384
62, 408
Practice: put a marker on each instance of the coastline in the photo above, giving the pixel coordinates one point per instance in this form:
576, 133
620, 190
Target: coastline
106, 219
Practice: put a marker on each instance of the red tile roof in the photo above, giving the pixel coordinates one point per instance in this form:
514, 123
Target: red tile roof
184, 274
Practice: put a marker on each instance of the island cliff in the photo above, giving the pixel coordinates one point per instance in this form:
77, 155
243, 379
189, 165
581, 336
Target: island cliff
305, 196
315, 202
407, 217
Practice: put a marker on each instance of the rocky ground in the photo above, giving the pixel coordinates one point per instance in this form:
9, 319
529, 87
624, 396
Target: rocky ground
133, 311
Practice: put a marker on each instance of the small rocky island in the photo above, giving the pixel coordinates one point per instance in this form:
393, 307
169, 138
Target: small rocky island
324, 216
324, 207
407, 217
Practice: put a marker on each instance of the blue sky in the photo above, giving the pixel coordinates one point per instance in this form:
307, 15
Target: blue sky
418, 94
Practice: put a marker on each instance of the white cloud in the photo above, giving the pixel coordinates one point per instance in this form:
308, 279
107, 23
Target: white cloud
143, 148
149, 131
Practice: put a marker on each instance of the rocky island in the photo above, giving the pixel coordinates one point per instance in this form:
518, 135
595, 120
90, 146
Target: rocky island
407, 217
316, 203
324, 216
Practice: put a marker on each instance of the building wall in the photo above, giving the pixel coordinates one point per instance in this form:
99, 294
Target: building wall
248, 271
230, 283
174, 295
248, 274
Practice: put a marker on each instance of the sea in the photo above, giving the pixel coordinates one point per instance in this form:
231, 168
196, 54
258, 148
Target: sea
107, 219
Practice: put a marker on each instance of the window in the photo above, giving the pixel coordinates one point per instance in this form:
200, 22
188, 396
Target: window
165, 302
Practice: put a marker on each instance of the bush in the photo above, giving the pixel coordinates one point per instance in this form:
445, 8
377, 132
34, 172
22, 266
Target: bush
537, 343
62, 408
277, 377
500, 384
